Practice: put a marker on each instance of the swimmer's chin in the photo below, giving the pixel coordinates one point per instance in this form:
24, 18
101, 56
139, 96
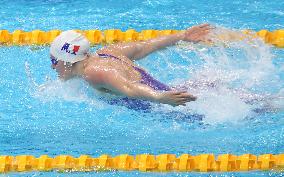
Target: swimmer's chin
63, 77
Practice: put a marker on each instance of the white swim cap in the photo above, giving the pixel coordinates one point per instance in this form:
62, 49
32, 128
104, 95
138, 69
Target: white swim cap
70, 46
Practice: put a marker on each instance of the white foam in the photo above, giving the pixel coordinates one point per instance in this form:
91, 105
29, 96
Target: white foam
220, 106
74, 90
232, 71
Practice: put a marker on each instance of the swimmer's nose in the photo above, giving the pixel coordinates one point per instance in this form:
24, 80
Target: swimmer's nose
52, 66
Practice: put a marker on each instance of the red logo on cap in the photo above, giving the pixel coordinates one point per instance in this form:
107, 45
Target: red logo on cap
75, 49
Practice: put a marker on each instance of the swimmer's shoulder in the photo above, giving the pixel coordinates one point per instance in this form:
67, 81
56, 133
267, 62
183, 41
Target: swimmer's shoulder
93, 74
98, 79
99, 74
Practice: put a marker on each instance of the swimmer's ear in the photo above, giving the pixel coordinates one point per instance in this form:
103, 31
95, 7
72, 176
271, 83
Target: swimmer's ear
67, 64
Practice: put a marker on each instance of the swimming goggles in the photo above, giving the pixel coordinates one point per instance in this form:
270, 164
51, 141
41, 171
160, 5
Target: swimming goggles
54, 61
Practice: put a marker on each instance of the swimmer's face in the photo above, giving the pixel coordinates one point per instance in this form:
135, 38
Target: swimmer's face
61, 67
55, 64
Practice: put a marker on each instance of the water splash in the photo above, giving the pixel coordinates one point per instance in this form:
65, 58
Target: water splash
74, 90
30, 77
236, 79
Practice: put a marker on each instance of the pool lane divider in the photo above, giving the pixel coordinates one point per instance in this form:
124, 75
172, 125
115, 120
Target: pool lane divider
97, 37
143, 163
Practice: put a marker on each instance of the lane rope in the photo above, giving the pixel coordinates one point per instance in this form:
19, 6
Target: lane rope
143, 162
97, 37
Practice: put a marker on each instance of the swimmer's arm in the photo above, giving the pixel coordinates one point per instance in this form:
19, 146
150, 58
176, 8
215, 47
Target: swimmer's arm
138, 50
113, 81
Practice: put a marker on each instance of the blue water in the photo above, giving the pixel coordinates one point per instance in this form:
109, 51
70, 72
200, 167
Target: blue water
41, 115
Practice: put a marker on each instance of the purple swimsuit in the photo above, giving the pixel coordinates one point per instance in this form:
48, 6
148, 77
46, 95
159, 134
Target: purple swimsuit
146, 78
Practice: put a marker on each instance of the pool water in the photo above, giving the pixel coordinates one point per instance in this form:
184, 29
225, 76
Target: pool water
239, 85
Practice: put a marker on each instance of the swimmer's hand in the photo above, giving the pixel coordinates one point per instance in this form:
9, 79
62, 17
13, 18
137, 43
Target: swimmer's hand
175, 98
197, 34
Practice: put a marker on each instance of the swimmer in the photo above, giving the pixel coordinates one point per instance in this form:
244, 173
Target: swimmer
112, 69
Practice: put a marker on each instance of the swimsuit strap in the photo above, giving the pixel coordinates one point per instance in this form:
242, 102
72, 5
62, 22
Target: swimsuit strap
103, 55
